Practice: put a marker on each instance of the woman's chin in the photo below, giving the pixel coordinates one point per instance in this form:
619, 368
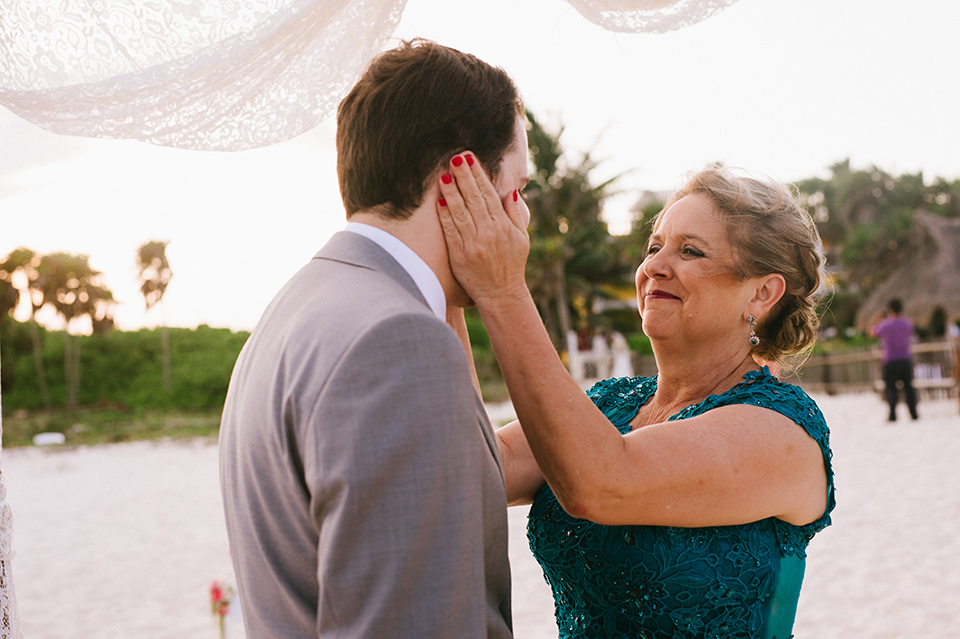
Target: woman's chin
656, 329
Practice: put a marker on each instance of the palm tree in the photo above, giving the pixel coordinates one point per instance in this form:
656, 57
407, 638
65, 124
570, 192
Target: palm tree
74, 289
26, 261
155, 274
572, 254
9, 296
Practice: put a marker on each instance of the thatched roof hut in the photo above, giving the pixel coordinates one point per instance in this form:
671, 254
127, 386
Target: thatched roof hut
927, 279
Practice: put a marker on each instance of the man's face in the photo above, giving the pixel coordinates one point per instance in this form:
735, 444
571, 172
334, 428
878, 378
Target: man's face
515, 169
513, 176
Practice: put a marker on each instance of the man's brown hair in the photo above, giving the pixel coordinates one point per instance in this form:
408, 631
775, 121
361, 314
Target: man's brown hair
414, 108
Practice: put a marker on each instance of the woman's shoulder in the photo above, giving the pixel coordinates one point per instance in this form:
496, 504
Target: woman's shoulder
619, 398
762, 388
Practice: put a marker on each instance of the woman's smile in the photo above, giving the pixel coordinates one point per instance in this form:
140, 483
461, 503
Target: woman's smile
658, 294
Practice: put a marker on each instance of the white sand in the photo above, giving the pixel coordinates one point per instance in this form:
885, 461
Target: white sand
122, 541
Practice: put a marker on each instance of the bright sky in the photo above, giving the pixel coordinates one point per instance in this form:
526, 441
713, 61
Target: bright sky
780, 87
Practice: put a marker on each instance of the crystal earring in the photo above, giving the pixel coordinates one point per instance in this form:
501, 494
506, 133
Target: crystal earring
753, 339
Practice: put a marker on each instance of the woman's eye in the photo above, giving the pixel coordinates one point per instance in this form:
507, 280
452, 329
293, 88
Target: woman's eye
652, 250
689, 250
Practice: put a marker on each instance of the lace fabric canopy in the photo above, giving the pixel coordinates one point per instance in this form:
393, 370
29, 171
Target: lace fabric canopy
199, 75
222, 76
647, 16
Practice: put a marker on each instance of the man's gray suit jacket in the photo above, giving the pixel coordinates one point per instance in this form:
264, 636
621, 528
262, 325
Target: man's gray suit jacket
362, 486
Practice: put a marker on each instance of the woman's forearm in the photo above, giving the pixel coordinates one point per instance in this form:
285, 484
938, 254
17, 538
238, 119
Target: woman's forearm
569, 437
457, 321
488, 245
520, 470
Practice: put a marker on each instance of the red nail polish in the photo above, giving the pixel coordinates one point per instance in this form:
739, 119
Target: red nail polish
515, 195
442, 201
469, 160
447, 178
457, 160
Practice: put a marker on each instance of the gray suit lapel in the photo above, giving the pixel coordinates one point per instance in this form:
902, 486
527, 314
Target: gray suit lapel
351, 248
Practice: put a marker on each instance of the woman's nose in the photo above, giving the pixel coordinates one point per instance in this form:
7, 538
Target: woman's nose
655, 266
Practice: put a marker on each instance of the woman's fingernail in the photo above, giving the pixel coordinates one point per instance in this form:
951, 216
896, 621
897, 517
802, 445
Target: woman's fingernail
515, 195
469, 160
442, 201
457, 160
446, 178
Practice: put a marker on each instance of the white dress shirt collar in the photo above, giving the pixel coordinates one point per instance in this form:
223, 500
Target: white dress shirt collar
423, 276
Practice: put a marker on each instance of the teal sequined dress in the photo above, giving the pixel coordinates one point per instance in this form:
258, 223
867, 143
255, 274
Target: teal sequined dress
659, 582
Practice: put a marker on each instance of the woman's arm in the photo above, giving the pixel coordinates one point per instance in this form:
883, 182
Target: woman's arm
872, 324
731, 465
458, 323
520, 470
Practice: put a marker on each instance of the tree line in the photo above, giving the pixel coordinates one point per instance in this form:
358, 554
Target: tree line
122, 370
580, 275
68, 284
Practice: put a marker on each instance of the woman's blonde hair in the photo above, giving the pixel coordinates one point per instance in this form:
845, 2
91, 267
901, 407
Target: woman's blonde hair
770, 233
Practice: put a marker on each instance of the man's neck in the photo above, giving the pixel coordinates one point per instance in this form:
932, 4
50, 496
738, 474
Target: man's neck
422, 233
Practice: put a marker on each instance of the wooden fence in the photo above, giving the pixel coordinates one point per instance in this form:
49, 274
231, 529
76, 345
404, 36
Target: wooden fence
860, 371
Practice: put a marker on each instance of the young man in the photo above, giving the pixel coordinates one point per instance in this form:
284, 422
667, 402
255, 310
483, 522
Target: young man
895, 333
362, 485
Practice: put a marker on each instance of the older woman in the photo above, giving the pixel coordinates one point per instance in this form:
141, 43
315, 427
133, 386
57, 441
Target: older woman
679, 505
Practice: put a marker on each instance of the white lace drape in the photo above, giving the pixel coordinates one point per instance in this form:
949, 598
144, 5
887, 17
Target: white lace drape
647, 16
225, 75
196, 75
9, 622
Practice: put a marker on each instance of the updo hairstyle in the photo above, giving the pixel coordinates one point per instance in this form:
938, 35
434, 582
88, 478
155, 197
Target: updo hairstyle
770, 233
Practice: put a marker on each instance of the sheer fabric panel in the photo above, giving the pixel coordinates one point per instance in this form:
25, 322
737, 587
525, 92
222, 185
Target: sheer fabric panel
648, 16
220, 76
189, 74
9, 619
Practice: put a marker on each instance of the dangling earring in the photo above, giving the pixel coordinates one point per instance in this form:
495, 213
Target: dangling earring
753, 339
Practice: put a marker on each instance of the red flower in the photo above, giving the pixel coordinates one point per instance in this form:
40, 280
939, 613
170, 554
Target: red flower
220, 596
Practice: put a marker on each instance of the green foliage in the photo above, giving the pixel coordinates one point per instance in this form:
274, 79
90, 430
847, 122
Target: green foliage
839, 310
865, 218
108, 425
632, 247
124, 368
640, 343
572, 254
872, 251
75, 289
16, 346
154, 271
625, 320
488, 370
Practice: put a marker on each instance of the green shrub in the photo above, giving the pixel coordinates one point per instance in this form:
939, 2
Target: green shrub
123, 369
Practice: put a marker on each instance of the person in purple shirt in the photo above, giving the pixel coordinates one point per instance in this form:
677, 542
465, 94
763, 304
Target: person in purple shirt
895, 332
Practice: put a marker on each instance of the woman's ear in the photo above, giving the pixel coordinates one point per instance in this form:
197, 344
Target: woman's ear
770, 288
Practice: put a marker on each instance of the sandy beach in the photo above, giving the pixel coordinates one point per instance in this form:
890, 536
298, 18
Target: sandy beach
123, 540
